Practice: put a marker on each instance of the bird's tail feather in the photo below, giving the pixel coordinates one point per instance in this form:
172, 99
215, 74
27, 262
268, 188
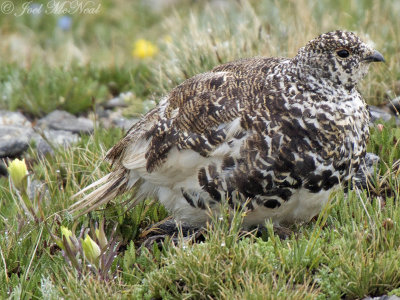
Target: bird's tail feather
108, 187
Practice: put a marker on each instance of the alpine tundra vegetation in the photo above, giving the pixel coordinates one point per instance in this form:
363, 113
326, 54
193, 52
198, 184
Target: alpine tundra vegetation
139, 63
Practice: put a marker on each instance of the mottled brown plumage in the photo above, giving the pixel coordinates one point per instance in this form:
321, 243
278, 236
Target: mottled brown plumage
279, 132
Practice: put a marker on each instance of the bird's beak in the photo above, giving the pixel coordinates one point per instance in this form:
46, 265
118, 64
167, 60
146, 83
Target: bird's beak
375, 56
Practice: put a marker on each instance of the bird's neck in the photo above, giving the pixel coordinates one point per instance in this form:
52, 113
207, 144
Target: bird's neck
314, 82
317, 79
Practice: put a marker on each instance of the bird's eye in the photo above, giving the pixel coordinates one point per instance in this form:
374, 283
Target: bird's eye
343, 53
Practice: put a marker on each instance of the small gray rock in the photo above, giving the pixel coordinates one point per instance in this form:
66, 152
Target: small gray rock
61, 137
369, 163
102, 113
37, 188
55, 137
3, 169
62, 120
394, 106
14, 140
124, 123
43, 148
384, 297
13, 118
109, 118
379, 113
115, 102
366, 170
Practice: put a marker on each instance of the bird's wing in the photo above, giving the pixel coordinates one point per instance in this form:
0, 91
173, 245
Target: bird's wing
191, 115
206, 111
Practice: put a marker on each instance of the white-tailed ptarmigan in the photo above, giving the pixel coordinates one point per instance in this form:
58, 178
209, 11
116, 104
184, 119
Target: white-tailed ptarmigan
276, 133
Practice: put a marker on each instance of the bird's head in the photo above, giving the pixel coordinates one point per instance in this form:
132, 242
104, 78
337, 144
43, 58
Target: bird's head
339, 57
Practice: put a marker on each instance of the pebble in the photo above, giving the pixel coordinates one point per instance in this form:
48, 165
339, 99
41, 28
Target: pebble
115, 119
62, 120
55, 138
58, 128
115, 102
13, 118
124, 123
384, 297
394, 106
17, 132
379, 114
3, 169
366, 170
37, 188
14, 140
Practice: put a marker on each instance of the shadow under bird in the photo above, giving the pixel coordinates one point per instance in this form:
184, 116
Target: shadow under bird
275, 135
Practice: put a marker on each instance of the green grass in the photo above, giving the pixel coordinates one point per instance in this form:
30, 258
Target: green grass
40, 89
351, 251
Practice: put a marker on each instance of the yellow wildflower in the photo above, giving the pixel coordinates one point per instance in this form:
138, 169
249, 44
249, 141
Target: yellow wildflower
18, 171
65, 232
91, 249
143, 49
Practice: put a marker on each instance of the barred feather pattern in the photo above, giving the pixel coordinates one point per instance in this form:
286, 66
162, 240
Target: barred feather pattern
275, 135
